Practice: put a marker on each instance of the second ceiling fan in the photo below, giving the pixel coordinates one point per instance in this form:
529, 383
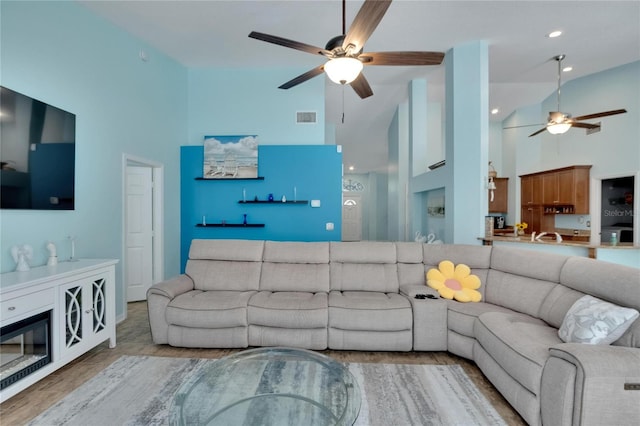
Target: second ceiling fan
346, 58
560, 122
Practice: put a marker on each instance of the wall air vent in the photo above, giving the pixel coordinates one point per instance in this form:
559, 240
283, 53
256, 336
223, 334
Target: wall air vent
306, 117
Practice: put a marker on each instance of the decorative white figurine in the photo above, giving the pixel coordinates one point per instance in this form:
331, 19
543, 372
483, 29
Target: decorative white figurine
22, 254
420, 238
431, 239
53, 256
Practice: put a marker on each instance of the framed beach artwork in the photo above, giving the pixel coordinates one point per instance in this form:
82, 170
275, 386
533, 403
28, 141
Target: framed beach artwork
230, 157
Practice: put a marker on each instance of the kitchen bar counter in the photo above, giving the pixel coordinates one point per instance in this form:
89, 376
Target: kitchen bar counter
526, 239
623, 253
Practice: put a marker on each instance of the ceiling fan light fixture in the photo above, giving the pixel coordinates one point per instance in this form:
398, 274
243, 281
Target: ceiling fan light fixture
343, 70
558, 128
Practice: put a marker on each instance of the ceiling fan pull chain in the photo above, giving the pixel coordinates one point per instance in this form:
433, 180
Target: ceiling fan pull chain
343, 104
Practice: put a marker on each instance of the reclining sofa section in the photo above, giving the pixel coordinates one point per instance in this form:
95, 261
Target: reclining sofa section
360, 296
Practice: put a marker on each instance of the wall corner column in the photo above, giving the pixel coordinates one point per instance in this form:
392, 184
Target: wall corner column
467, 141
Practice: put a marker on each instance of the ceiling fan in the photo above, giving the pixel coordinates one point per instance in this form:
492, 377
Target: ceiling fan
346, 58
560, 122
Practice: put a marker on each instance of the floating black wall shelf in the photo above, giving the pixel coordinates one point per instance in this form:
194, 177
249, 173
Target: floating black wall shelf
231, 225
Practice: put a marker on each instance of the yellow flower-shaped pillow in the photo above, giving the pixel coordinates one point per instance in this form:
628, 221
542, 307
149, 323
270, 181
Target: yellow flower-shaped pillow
454, 282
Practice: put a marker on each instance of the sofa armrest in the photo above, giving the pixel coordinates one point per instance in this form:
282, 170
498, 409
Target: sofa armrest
410, 290
591, 385
158, 298
172, 287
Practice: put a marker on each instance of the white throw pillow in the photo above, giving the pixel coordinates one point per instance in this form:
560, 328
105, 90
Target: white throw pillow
594, 321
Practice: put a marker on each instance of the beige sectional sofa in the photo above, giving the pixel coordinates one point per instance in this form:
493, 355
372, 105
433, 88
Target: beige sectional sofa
360, 296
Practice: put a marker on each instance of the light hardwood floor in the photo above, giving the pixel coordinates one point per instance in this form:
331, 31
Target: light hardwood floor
134, 338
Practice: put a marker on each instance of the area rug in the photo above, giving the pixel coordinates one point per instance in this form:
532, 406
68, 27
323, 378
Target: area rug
138, 390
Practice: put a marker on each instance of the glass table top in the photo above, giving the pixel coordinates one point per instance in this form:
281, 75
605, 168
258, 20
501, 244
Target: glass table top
268, 386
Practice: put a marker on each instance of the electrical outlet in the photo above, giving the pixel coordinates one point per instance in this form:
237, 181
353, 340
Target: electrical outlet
588, 224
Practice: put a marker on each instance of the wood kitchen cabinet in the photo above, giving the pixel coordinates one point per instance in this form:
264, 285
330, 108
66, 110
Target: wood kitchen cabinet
531, 190
500, 203
532, 216
559, 191
567, 187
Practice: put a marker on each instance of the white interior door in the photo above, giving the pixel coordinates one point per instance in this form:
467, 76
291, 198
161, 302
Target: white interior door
139, 232
351, 218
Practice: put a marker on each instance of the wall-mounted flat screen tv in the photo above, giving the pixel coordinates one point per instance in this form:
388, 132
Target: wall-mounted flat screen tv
37, 154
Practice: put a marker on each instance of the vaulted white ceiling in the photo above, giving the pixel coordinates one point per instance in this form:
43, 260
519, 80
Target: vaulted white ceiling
597, 35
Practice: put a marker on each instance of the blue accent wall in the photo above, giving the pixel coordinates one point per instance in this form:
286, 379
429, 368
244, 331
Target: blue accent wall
314, 170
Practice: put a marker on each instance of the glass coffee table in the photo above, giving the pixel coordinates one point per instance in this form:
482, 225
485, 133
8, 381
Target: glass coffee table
268, 386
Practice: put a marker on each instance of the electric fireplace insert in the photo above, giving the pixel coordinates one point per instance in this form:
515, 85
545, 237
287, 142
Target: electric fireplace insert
25, 346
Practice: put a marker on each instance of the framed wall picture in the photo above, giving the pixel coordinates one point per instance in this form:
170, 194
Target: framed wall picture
230, 157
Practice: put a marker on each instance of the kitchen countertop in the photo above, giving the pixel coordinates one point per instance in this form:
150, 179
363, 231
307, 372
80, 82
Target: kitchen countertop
526, 239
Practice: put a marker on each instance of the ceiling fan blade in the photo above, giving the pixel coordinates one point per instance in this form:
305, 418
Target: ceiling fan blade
289, 43
365, 22
538, 132
524, 125
585, 125
600, 114
402, 58
303, 77
361, 86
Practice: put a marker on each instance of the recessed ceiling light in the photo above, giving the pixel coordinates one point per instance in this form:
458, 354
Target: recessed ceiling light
567, 69
554, 34
495, 111
352, 168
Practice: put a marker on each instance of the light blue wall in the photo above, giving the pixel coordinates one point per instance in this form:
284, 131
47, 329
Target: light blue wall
248, 102
615, 148
613, 151
61, 53
462, 180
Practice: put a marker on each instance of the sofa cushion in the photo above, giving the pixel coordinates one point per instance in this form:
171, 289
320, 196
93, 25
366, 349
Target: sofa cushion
592, 277
367, 310
294, 277
594, 321
461, 316
209, 309
517, 292
296, 252
240, 250
410, 266
362, 252
364, 277
224, 274
289, 309
407, 252
555, 306
519, 344
368, 266
533, 264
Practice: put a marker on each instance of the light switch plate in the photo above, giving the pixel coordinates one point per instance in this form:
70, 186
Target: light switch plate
315, 203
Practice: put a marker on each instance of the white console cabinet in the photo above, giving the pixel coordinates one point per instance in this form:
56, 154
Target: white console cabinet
81, 298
